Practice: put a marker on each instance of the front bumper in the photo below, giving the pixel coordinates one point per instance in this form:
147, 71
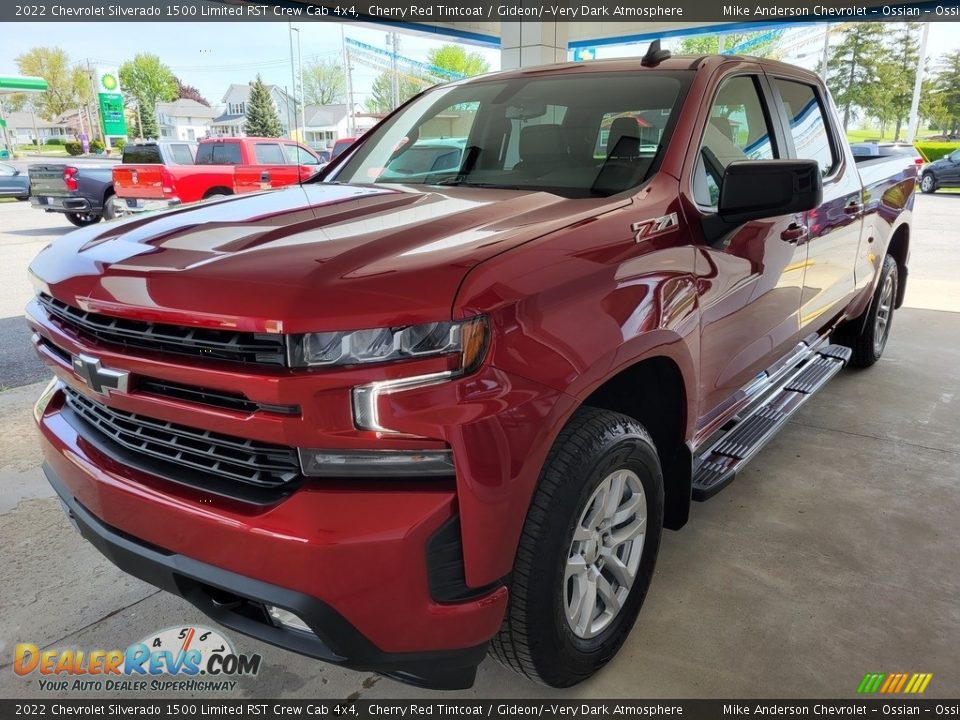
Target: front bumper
60, 204
239, 602
351, 562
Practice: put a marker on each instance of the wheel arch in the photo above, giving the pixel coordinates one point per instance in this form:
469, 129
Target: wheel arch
218, 190
899, 249
652, 391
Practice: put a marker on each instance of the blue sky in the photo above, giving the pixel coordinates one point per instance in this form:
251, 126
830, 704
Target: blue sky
211, 55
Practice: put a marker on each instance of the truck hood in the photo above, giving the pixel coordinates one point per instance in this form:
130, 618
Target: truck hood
313, 257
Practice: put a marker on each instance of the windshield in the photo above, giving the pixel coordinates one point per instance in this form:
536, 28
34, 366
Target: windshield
576, 135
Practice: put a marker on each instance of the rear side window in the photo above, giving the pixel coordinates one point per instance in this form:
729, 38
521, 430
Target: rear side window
141, 155
218, 153
808, 126
182, 155
738, 129
269, 154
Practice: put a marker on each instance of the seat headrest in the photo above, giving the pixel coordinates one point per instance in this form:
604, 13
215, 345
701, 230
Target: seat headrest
538, 141
624, 138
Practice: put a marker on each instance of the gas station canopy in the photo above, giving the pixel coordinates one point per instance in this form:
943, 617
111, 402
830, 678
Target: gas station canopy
10, 85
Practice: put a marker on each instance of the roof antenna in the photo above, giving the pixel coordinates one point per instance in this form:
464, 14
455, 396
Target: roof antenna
654, 55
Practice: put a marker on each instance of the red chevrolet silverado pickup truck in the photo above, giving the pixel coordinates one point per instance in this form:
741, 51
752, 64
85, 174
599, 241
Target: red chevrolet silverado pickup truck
223, 166
398, 416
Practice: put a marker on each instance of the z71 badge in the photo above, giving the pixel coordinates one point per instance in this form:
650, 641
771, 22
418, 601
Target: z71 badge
654, 226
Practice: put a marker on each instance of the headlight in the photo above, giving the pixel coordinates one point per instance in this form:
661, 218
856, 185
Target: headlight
467, 338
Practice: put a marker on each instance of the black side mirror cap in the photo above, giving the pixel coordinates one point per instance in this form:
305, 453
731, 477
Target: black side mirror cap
758, 189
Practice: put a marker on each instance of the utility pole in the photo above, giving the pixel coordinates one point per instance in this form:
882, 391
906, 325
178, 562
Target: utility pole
918, 85
351, 127
293, 84
393, 41
96, 130
303, 90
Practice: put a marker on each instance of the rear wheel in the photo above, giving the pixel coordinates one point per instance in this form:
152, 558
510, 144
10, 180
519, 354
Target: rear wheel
928, 183
867, 336
215, 193
587, 552
83, 219
110, 208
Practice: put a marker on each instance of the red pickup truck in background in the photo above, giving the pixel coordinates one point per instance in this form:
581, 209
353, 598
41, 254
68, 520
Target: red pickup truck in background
223, 166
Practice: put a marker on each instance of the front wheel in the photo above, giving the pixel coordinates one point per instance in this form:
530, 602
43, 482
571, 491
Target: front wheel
83, 219
587, 552
927, 183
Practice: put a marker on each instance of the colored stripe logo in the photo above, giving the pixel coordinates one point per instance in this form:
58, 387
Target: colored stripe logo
894, 683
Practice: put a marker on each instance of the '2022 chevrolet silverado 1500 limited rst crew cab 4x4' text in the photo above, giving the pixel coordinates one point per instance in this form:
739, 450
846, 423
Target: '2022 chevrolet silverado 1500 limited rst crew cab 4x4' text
396, 417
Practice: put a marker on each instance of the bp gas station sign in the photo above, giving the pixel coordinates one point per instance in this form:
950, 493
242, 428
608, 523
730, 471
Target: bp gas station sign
110, 100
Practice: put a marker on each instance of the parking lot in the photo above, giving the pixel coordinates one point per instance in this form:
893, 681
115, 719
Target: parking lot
833, 554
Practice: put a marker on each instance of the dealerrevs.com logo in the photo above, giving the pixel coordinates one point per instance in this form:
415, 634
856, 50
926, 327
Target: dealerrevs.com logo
176, 659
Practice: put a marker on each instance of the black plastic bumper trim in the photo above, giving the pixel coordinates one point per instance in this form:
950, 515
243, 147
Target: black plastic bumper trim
238, 602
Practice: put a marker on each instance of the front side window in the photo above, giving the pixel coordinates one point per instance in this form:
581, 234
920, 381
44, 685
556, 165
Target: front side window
738, 129
808, 126
579, 135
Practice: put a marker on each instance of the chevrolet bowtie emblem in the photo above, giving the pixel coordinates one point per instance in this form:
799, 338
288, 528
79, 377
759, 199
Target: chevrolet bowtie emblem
98, 378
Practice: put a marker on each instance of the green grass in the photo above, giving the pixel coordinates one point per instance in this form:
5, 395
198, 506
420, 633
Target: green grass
869, 134
51, 150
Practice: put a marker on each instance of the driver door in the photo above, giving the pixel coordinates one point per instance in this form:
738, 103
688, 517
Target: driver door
750, 276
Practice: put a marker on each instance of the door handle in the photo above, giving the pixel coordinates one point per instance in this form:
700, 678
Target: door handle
795, 232
854, 207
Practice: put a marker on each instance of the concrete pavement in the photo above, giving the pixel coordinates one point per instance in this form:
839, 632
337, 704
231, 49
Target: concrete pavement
832, 555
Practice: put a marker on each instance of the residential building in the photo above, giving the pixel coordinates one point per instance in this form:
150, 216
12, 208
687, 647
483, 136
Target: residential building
325, 124
230, 121
184, 119
25, 127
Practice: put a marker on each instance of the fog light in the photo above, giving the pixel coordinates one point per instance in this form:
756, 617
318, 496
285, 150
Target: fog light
287, 619
376, 463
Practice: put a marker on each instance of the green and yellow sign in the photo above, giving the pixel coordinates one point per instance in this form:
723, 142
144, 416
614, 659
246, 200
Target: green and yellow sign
110, 100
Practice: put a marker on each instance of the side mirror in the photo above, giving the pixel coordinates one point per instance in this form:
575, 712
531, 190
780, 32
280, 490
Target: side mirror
757, 189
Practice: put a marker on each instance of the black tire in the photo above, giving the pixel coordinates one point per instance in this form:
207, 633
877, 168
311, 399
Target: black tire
928, 183
536, 639
109, 208
214, 193
83, 219
866, 336
23, 199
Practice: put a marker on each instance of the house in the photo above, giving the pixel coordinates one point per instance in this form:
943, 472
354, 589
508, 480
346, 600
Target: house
230, 121
184, 119
325, 124
25, 127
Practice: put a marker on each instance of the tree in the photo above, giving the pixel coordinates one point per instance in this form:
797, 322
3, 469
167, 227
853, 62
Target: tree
852, 68
900, 72
760, 43
189, 92
381, 93
946, 90
68, 86
146, 81
456, 59
324, 83
262, 118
